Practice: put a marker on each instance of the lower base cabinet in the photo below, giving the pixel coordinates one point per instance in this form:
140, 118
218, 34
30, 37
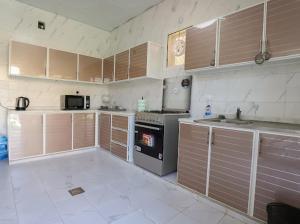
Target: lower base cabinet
193, 157
104, 130
119, 150
230, 167
278, 172
83, 130
25, 135
58, 132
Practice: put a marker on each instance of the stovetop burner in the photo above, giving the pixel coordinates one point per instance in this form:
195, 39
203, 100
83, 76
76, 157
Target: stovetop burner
166, 112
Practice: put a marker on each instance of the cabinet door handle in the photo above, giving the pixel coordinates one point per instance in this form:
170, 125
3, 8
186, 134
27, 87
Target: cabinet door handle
213, 138
213, 60
207, 140
259, 146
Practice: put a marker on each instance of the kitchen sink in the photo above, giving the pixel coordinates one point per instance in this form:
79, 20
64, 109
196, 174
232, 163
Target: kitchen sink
229, 121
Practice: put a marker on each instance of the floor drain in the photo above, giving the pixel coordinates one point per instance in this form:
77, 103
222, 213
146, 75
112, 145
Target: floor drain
76, 191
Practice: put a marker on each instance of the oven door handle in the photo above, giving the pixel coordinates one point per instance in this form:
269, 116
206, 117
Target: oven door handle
149, 127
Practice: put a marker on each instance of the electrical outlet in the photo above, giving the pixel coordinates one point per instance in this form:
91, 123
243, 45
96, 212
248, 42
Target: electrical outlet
41, 25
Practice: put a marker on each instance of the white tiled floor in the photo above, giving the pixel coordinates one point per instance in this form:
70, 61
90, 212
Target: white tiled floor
115, 192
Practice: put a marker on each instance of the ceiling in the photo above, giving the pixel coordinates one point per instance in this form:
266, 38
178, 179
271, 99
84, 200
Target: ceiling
103, 14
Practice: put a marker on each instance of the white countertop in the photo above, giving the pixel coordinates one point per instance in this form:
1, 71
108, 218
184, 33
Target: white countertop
51, 111
263, 126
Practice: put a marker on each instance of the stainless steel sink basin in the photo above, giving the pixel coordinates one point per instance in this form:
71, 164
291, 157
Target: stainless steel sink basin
229, 121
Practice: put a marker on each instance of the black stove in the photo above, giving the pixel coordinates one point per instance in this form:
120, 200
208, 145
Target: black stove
166, 112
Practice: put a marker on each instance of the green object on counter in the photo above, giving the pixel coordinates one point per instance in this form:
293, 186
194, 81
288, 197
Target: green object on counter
141, 105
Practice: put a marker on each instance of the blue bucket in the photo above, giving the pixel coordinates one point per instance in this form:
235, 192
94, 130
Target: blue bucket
3, 148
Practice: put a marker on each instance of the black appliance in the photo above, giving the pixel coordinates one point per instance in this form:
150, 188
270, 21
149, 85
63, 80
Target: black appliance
22, 103
279, 213
75, 102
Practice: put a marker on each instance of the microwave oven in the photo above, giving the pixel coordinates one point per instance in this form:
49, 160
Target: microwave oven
75, 102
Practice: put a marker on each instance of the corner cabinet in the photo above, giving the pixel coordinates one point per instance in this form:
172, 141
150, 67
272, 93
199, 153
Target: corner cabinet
122, 66
104, 131
278, 172
241, 35
90, 69
283, 33
193, 157
145, 61
108, 69
201, 46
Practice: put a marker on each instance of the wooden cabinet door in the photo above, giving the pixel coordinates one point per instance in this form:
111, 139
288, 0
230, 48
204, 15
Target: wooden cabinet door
119, 150
62, 65
25, 135
278, 170
193, 157
230, 167
84, 130
200, 47
58, 132
108, 69
122, 66
120, 122
104, 131
240, 36
90, 69
138, 61
283, 33
27, 60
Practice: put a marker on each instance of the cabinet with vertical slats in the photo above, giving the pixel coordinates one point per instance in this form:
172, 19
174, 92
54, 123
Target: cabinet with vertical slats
193, 157
83, 130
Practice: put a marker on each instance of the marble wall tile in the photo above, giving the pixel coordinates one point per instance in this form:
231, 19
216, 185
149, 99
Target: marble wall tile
18, 21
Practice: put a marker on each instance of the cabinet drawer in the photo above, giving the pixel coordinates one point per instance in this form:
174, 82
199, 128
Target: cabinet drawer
119, 136
120, 122
119, 150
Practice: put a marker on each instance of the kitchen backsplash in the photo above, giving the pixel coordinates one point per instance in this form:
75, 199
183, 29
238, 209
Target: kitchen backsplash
19, 22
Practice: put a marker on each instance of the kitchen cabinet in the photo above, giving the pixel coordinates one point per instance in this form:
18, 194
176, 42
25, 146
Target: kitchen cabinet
90, 69
25, 135
193, 157
278, 168
108, 69
241, 35
283, 34
145, 61
58, 132
27, 60
200, 49
230, 167
62, 65
122, 66
104, 130
83, 130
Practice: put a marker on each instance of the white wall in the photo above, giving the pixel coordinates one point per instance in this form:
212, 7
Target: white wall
19, 22
269, 92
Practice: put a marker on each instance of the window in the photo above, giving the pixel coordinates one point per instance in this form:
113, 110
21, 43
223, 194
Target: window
176, 48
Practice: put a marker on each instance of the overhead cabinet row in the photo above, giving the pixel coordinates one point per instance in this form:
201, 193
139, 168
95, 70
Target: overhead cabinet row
39, 62
144, 60
255, 34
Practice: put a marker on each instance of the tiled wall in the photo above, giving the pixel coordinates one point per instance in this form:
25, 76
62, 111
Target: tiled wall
268, 92
19, 22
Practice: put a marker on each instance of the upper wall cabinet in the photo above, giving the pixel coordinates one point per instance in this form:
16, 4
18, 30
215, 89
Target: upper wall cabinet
241, 35
108, 69
90, 69
283, 33
145, 61
27, 60
122, 66
62, 65
200, 46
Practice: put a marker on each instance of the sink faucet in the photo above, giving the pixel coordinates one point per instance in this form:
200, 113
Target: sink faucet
238, 113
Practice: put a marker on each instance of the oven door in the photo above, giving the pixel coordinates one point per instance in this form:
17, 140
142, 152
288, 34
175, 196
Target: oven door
149, 139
